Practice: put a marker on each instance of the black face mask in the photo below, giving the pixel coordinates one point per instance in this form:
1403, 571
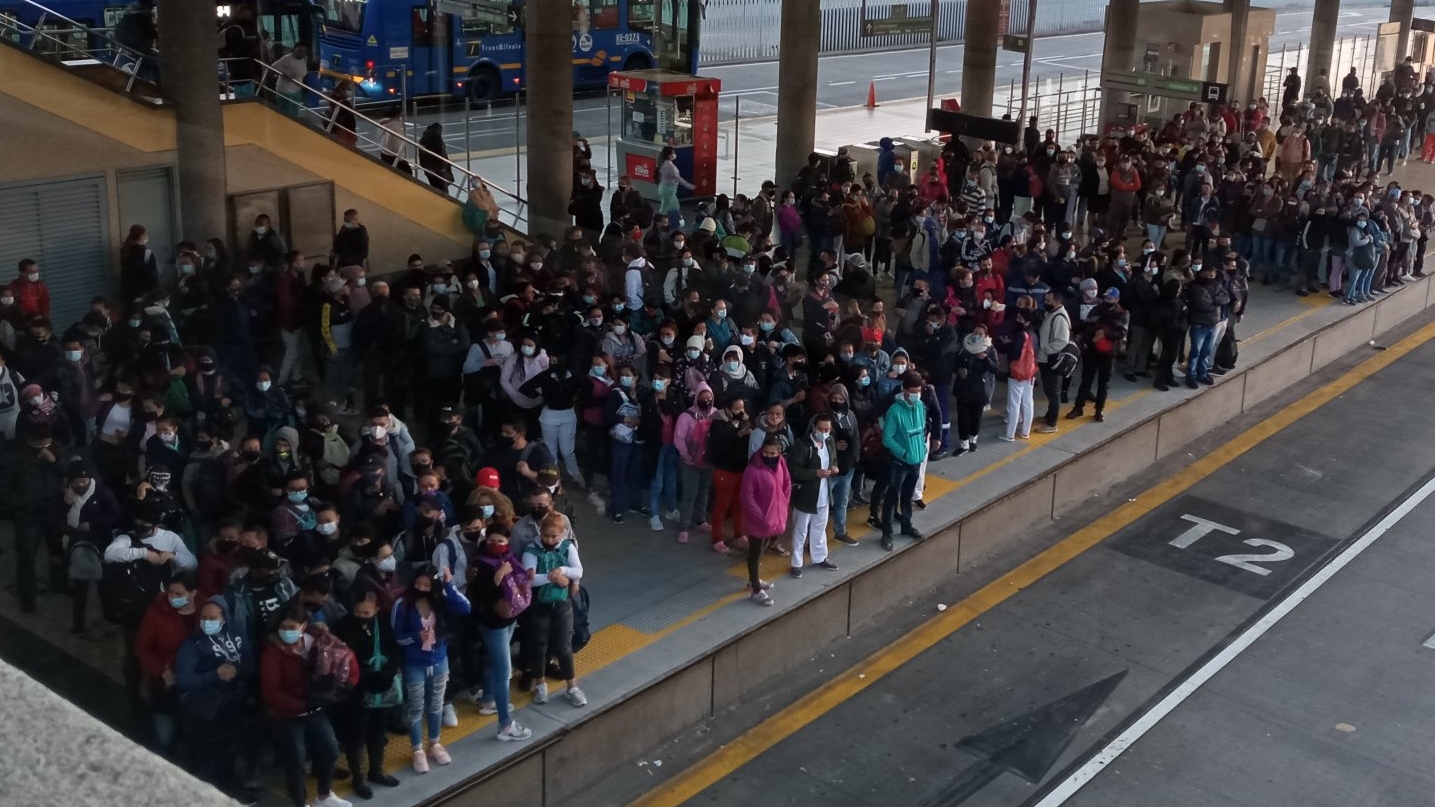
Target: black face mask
838, 406
771, 462
539, 512
473, 537
505, 442
249, 455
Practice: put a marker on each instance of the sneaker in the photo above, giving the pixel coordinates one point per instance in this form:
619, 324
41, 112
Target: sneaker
362, 789
796, 572
826, 564
764, 585
577, 698
1007, 438
739, 543
683, 537
913, 532
488, 708
595, 499
887, 540
1026, 436
720, 547
579, 483
762, 598
705, 527
439, 754
421, 761
1044, 429
450, 717
514, 733
540, 694
920, 504
333, 801
1208, 381
671, 515
617, 518
655, 524
1191, 383
844, 538
474, 695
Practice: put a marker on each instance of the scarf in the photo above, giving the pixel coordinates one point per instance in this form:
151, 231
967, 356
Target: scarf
976, 344
77, 503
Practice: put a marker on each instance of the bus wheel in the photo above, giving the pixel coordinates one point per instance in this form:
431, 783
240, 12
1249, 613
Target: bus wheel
638, 61
485, 85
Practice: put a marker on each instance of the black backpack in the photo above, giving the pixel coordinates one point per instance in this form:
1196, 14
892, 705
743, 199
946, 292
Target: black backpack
1227, 352
127, 589
581, 632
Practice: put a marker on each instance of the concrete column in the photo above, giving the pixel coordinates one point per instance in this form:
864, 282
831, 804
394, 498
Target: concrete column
1240, 71
979, 58
1322, 45
1119, 52
189, 70
549, 97
797, 86
1402, 11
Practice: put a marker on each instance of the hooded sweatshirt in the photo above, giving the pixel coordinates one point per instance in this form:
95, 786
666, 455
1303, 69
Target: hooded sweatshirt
904, 431
691, 433
765, 494
197, 663
423, 649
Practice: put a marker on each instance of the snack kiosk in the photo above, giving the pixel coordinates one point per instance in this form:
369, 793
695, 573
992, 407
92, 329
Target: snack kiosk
662, 108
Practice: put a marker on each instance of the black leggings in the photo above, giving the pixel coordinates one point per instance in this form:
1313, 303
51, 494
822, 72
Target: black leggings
969, 419
755, 546
362, 730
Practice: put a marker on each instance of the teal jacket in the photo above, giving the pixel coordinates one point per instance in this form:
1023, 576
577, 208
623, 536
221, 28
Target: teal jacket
904, 431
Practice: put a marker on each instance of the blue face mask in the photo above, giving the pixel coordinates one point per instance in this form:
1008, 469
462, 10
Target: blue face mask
721, 313
483, 253
210, 627
289, 636
620, 307
298, 496
734, 366
767, 326
864, 381
693, 354
659, 385
487, 510
599, 372
179, 602
625, 380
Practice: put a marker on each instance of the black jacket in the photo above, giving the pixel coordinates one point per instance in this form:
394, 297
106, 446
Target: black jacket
376, 675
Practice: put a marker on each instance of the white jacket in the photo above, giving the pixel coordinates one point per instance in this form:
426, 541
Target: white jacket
122, 549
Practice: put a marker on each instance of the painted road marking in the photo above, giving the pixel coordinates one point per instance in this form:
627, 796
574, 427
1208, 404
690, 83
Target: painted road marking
763, 737
1232, 548
1430, 643
1072, 784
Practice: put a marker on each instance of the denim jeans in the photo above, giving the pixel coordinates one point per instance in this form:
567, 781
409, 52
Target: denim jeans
840, 491
623, 483
497, 669
423, 694
1157, 234
901, 485
664, 484
560, 430
1203, 344
311, 736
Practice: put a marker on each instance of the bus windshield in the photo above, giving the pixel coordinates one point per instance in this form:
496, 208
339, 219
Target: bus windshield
345, 15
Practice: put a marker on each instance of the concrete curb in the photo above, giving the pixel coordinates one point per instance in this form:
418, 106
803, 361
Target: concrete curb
566, 762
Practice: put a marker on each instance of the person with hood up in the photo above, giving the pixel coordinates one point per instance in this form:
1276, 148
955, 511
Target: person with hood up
732, 378
904, 435
812, 467
214, 671
765, 493
886, 161
973, 365
695, 470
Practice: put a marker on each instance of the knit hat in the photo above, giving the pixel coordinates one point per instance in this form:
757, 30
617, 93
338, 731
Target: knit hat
696, 341
708, 225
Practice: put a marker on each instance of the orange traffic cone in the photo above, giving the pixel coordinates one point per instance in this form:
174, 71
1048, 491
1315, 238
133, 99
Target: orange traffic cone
871, 95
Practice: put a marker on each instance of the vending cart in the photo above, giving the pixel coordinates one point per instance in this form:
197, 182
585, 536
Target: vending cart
662, 108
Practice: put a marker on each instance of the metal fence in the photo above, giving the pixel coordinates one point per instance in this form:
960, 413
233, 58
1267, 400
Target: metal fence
748, 30
1355, 51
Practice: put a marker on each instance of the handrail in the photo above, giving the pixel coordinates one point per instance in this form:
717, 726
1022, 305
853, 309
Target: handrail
36, 33
471, 179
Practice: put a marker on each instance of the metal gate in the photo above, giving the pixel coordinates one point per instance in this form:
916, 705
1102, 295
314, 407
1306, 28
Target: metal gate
62, 225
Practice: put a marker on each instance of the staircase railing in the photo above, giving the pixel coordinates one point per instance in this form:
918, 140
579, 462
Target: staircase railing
53, 34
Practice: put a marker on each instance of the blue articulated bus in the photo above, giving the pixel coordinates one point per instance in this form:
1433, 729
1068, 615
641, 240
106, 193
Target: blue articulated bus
476, 48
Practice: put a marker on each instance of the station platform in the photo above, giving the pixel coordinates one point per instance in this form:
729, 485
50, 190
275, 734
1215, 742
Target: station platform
675, 639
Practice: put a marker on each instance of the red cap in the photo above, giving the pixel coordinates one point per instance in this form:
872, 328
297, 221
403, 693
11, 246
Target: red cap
487, 478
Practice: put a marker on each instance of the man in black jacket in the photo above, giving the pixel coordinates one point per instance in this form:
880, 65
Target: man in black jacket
1204, 298
351, 242
373, 331
361, 721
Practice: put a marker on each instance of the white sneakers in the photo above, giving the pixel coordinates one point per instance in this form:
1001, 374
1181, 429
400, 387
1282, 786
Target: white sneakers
421, 761
576, 697
656, 524
332, 801
514, 733
540, 693
450, 717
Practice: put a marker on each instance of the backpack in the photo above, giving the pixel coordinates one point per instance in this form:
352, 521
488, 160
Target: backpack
866, 226
516, 596
1024, 368
548, 560
329, 662
127, 589
85, 561
582, 634
1064, 361
1227, 353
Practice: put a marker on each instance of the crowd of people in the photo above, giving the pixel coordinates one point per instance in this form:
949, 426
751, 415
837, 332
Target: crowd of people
324, 499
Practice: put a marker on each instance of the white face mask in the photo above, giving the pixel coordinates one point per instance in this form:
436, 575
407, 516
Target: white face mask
263, 386
33, 277
327, 528
387, 564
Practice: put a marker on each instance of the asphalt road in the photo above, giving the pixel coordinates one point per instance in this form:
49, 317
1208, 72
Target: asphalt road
843, 80
1255, 631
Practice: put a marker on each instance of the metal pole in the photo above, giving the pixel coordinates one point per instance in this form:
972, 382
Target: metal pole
1061, 115
467, 132
932, 63
1010, 94
1085, 90
609, 145
1026, 58
736, 123
518, 140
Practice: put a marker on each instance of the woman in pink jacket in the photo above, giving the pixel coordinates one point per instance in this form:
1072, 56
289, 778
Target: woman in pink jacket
766, 493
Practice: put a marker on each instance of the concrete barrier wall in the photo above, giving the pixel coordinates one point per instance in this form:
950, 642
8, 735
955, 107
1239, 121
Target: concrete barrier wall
590, 750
